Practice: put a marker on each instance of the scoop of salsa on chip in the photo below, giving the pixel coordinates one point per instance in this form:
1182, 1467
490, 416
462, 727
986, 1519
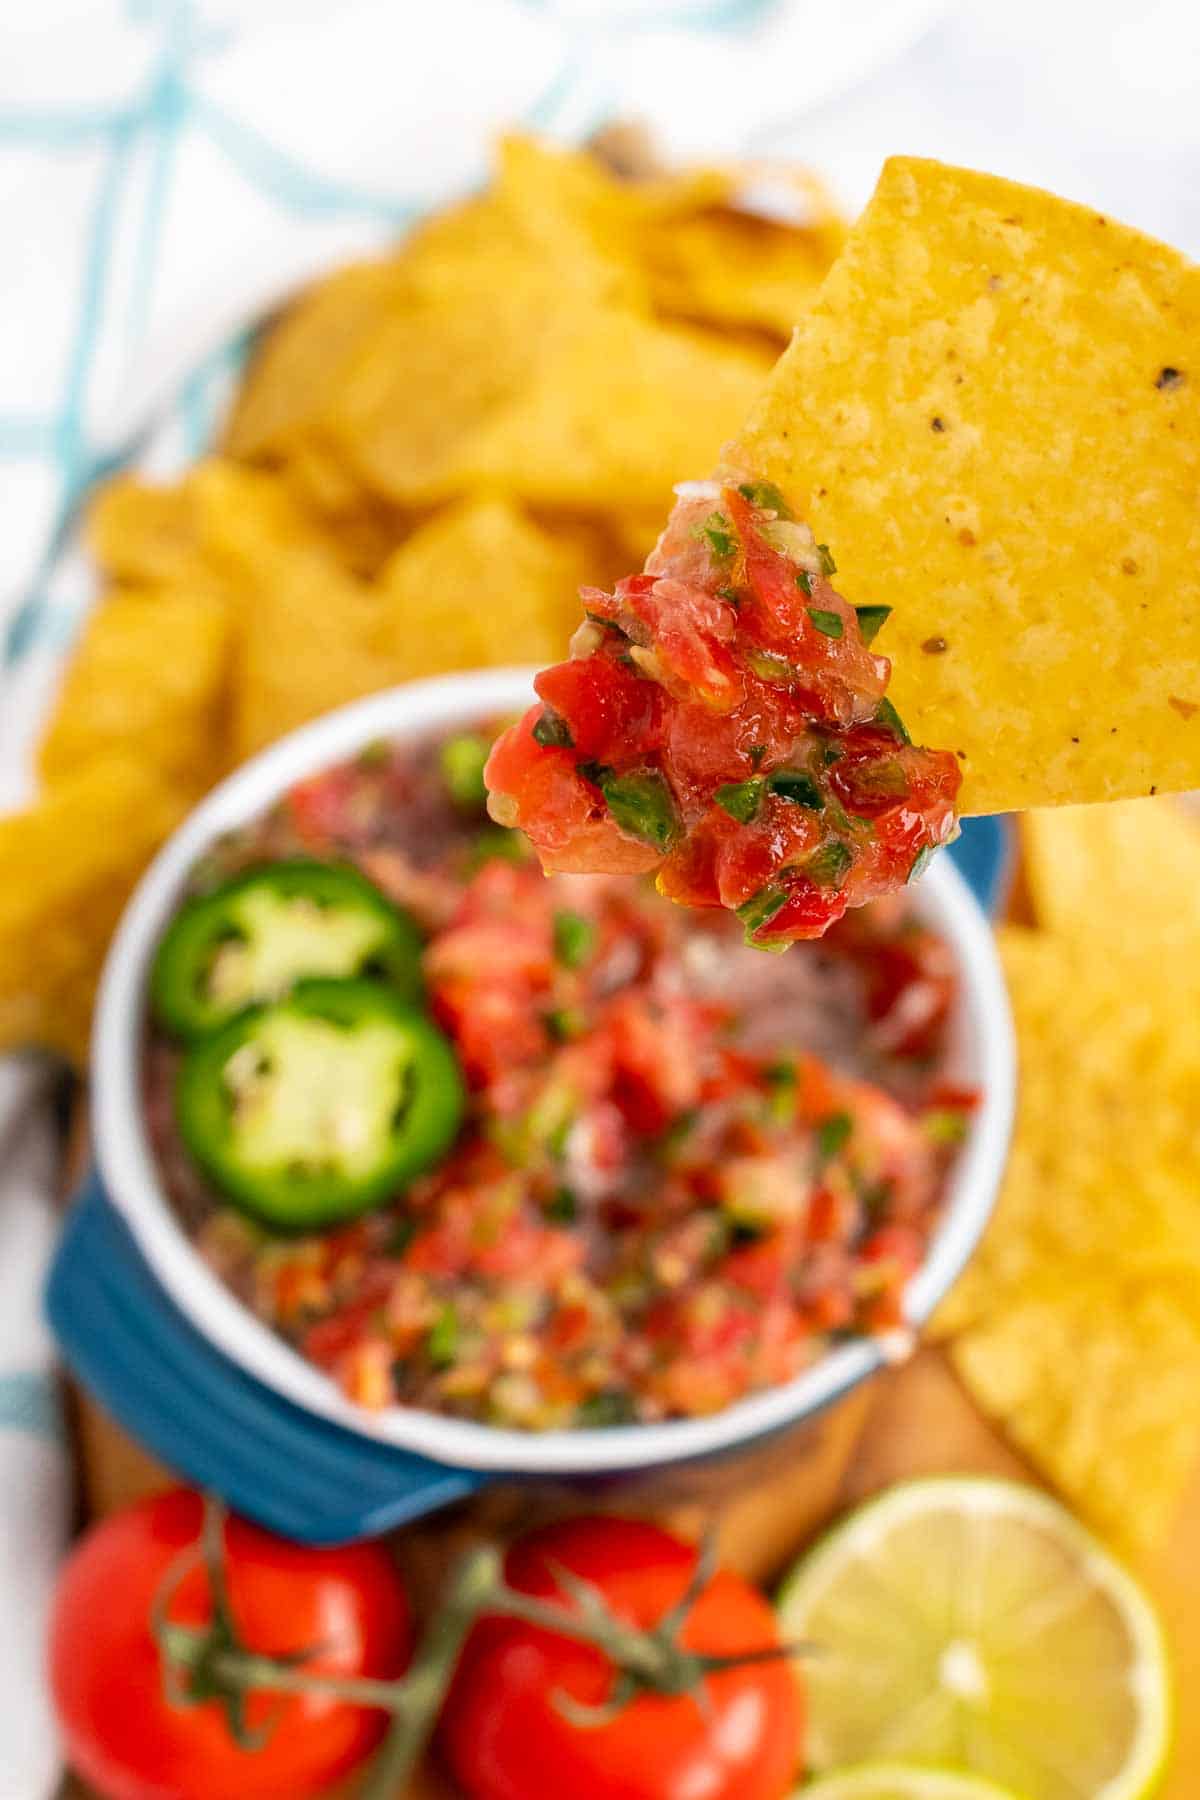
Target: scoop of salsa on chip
724, 720
988, 416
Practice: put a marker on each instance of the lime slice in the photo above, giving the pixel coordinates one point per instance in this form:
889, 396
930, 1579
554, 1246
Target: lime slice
902, 1781
974, 1625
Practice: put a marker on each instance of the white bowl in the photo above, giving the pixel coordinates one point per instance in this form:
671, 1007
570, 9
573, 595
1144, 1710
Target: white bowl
981, 1055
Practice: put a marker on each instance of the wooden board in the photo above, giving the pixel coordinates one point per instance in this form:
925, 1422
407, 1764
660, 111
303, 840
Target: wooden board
916, 1420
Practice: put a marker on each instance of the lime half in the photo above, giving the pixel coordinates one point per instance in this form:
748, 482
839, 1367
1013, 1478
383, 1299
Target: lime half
974, 1625
902, 1781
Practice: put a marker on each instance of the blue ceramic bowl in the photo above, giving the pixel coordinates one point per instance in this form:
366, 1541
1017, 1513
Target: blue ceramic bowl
128, 1270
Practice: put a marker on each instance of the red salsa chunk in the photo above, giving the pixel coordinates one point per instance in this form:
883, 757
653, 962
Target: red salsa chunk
724, 721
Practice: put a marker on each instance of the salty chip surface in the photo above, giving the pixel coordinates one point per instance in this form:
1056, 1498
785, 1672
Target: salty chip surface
992, 415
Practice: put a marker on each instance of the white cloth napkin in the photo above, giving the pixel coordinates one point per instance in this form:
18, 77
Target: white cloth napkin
34, 1478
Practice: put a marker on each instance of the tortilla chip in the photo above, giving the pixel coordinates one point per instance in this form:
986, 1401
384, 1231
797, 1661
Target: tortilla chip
146, 534
575, 406
298, 658
740, 269
297, 360
193, 535
67, 866
568, 211
1086, 1289
419, 390
990, 415
690, 251
300, 623
148, 678
619, 408
1128, 873
635, 534
1100, 1387
479, 584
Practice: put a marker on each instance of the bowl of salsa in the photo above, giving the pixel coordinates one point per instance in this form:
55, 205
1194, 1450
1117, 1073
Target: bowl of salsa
531, 1174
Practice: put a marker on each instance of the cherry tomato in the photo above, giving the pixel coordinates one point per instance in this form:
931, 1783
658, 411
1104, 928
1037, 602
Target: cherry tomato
122, 1734
506, 1737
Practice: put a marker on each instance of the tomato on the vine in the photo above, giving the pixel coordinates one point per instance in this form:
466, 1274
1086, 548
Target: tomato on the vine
534, 1715
340, 1613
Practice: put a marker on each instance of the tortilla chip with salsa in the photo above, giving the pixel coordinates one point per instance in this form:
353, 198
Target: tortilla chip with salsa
986, 427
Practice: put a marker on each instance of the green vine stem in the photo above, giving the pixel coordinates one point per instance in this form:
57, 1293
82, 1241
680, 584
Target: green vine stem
474, 1584
210, 1663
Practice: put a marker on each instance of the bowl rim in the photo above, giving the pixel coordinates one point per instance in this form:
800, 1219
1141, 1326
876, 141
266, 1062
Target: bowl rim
128, 1171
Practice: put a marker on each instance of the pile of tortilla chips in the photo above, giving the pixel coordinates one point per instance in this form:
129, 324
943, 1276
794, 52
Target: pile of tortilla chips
1077, 1325
430, 452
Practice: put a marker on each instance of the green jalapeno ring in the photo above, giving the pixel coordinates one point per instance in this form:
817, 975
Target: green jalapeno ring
309, 1111
246, 936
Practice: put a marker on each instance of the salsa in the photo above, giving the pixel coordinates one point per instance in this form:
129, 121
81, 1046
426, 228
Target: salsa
724, 721
664, 1171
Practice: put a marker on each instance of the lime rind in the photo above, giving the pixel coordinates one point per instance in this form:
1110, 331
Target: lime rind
867, 1531
902, 1781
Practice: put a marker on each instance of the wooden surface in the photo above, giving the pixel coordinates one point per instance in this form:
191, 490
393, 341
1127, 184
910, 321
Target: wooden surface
911, 1421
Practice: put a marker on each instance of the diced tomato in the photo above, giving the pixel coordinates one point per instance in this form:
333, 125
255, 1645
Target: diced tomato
780, 838
611, 711
691, 630
319, 808
367, 1374
574, 830
831, 1310
807, 912
761, 1268
846, 678
657, 1059
896, 1244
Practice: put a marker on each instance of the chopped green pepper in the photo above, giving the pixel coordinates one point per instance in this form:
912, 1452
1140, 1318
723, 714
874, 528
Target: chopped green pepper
502, 843
741, 799
644, 806
766, 495
886, 715
254, 936
462, 762
921, 861
783, 1080
770, 667
759, 910
826, 866
796, 786
944, 1125
562, 1208
827, 622
716, 530
310, 1111
611, 1406
833, 1134
574, 938
551, 730
871, 620
441, 1344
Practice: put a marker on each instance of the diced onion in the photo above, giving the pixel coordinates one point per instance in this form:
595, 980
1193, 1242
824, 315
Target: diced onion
586, 639
796, 541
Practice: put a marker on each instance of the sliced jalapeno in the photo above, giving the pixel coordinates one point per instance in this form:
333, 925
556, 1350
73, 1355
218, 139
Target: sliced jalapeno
312, 1110
256, 935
